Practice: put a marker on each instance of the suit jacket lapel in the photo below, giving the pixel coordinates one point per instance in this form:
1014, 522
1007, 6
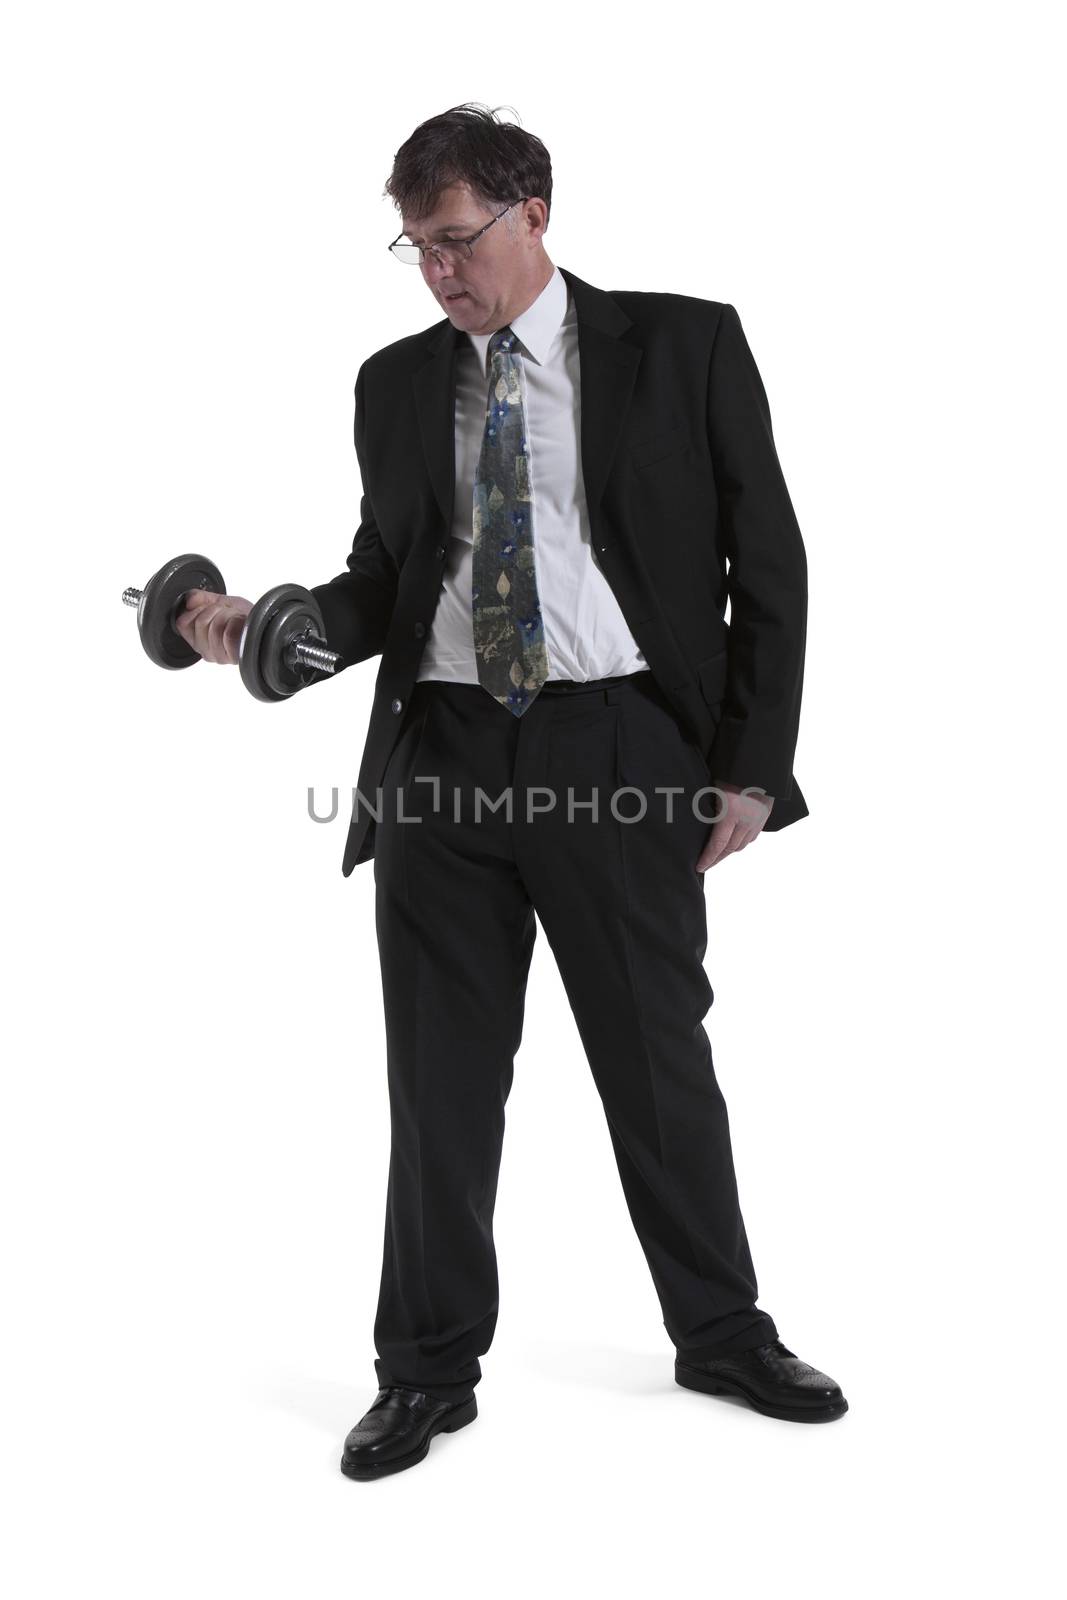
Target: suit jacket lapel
608, 369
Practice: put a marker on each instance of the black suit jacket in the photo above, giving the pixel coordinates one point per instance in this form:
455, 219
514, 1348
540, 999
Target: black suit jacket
687, 507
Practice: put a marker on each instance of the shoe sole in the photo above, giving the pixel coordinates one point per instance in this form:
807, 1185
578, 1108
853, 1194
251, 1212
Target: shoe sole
690, 1378
449, 1423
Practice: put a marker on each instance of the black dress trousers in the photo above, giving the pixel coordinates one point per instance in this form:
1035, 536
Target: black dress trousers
622, 906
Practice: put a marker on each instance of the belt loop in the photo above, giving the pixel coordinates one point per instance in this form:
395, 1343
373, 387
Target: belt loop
611, 696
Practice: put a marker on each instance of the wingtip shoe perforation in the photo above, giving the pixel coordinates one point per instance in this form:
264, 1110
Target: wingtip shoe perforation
771, 1378
395, 1431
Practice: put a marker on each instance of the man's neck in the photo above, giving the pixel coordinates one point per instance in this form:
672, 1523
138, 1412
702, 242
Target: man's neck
532, 295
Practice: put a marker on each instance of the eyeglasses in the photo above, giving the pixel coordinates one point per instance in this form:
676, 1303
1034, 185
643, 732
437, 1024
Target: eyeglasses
449, 251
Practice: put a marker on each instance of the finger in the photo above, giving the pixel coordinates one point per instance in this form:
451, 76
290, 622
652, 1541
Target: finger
235, 627
757, 826
718, 841
215, 630
736, 840
195, 626
194, 603
190, 625
214, 624
728, 832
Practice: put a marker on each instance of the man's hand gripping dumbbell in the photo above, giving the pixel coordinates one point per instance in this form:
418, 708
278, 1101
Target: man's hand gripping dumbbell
184, 615
212, 625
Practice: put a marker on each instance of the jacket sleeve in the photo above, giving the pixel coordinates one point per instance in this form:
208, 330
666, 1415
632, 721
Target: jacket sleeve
766, 575
357, 605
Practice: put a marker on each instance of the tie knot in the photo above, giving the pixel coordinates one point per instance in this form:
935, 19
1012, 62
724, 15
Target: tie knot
503, 339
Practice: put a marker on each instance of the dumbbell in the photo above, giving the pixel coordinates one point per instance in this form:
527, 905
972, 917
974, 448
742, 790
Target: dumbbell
282, 644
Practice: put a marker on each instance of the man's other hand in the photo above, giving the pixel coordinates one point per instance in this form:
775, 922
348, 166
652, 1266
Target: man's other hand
742, 819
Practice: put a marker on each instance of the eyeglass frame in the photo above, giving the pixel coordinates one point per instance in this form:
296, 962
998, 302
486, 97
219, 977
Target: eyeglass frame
470, 243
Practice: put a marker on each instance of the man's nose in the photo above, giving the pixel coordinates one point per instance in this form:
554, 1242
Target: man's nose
436, 269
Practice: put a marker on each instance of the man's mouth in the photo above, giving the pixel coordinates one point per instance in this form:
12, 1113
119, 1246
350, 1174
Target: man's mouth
459, 296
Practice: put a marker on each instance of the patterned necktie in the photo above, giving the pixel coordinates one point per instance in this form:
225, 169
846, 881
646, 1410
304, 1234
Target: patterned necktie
509, 636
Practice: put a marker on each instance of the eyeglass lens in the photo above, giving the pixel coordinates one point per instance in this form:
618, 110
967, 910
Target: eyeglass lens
452, 253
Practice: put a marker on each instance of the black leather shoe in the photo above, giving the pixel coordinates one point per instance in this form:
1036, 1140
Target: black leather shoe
396, 1431
771, 1379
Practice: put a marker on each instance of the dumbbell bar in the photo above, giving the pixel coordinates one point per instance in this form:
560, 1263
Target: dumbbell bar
282, 645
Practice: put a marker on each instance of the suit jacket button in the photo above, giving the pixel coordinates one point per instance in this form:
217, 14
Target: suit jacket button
398, 706
420, 629
440, 552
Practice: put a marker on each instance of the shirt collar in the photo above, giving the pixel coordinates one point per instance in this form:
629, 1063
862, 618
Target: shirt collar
537, 326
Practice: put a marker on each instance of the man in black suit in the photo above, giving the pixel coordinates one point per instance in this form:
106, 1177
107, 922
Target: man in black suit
562, 488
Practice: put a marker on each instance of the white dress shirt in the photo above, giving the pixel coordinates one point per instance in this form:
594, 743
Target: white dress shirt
585, 631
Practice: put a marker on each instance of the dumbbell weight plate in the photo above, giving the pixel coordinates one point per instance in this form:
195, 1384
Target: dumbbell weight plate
280, 616
161, 602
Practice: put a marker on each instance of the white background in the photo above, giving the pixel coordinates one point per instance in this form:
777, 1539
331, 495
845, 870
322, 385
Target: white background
195, 1123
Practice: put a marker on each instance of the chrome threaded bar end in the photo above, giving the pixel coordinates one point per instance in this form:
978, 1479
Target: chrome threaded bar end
317, 656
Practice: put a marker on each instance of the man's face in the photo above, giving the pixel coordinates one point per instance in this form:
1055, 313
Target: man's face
484, 291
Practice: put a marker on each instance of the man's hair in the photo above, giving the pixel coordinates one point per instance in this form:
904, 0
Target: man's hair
499, 161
